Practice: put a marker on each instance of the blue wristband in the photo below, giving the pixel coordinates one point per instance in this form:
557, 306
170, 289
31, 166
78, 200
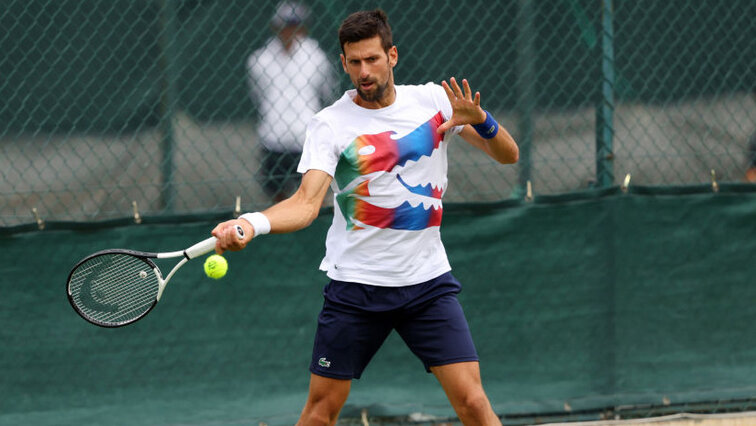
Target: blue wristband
488, 128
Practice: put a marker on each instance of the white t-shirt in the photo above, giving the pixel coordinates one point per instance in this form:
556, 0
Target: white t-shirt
288, 88
389, 168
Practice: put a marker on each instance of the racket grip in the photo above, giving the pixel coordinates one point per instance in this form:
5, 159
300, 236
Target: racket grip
202, 247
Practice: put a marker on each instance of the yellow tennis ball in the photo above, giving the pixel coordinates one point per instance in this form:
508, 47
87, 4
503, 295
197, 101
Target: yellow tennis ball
216, 266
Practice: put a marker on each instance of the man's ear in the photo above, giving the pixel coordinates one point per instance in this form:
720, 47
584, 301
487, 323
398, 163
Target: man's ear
393, 55
343, 62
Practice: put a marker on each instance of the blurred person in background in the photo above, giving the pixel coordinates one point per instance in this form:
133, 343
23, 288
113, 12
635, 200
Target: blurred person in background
290, 79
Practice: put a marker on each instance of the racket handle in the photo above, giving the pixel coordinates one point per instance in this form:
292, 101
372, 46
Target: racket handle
202, 247
208, 245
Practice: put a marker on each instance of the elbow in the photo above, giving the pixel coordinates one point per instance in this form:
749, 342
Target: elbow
512, 156
307, 209
310, 212
515, 155
505, 149
311, 216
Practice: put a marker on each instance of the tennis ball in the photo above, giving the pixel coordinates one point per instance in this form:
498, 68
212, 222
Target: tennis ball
216, 266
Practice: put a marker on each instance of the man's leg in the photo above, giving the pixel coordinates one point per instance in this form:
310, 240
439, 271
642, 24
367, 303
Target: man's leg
325, 400
462, 384
346, 339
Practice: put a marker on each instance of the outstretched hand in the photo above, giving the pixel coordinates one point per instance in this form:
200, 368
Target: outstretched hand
465, 108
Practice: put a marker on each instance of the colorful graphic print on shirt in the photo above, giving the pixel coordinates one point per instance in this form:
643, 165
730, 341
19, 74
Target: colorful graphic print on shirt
372, 189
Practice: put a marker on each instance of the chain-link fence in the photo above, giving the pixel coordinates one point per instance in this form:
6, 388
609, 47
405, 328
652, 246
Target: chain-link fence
165, 106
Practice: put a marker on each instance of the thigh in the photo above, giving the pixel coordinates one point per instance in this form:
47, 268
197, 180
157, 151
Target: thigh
438, 333
459, 378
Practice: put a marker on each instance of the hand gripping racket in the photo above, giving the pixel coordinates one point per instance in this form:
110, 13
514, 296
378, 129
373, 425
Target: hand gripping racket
116, 287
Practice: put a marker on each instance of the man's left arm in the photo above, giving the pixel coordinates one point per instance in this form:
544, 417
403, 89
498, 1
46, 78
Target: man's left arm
480, 128
502, 147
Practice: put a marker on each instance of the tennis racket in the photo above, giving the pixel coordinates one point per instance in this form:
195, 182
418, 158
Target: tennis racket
116, 287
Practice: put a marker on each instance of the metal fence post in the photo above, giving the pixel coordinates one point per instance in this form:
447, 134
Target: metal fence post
605, 107
168, 97
526, 94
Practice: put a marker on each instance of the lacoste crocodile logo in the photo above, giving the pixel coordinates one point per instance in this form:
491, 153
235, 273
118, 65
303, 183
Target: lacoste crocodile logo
393, 183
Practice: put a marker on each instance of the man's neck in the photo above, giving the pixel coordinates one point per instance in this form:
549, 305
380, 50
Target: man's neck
388, 98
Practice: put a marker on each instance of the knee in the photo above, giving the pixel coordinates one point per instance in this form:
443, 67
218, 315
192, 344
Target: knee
476, 407
316, 418
321, 411
476, 402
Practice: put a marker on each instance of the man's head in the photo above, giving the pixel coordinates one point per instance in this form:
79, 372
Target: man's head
369, 57
288, 22
364, 25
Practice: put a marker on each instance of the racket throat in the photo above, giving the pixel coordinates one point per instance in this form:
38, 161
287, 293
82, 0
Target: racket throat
161, 287
162, 283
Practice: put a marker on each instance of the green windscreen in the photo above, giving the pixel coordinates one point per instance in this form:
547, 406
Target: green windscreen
598, 299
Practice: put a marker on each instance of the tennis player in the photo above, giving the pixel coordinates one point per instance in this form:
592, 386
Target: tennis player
382, 149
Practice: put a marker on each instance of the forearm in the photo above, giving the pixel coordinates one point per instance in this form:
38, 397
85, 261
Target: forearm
501, 147
292, 214
298, 211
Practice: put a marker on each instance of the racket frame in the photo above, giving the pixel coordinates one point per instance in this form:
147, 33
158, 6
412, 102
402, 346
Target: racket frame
143, 256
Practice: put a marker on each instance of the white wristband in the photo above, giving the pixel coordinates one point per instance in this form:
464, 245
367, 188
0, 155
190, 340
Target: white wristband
258, 221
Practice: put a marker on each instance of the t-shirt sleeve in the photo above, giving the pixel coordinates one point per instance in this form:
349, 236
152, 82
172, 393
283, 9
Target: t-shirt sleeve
319, 151
438, 95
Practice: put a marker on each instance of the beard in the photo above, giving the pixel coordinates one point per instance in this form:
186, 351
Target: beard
376, 94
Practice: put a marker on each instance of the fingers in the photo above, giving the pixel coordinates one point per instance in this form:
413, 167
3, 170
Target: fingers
455, 92
448, 91
217, 232
455, 87
465, 105
228, 239
468, 91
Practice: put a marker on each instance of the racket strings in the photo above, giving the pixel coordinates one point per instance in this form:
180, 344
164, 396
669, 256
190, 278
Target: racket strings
114, 288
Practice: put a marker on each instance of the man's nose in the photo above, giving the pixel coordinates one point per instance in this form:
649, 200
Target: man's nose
364, 71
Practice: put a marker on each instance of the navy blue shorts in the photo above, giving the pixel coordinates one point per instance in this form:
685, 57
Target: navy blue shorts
356, 319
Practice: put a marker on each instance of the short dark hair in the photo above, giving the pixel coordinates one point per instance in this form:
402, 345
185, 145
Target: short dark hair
366, 24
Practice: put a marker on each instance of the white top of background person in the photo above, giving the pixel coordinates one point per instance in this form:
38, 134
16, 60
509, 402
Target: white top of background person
290, 78
369, 61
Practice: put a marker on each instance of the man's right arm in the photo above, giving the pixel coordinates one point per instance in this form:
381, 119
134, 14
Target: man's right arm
292, 214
